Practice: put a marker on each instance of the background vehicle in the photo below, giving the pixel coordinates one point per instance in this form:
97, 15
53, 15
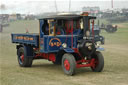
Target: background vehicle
108, 27
3, 21
63, 39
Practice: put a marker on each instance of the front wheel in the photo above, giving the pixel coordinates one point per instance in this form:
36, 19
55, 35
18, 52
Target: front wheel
98, 63
68, 64
22, 59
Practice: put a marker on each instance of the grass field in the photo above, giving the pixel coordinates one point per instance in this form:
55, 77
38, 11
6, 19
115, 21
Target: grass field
44, 72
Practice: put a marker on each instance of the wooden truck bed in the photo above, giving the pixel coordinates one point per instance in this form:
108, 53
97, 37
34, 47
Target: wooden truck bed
26, 38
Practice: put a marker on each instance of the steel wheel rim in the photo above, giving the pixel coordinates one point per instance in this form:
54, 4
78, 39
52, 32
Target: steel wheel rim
66, 65
21, 58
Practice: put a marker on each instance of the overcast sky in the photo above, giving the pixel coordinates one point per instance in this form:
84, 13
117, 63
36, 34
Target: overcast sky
41, 6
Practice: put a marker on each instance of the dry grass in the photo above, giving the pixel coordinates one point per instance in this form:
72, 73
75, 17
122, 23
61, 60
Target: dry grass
44, 72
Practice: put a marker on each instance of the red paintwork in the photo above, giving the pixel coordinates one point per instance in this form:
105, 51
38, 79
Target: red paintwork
68, 29
66, 64
22, 57
89, 63
58, 32
76, 50
95, 63
72, 34
49, 56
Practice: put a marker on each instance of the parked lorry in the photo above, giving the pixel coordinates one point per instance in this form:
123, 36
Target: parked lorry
3, 21
62, 39
109, 28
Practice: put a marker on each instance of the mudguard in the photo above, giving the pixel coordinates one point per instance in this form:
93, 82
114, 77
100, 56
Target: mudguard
28, 50
60, 54
67, 50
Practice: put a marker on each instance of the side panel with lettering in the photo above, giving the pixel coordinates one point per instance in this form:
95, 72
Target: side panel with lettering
54, 43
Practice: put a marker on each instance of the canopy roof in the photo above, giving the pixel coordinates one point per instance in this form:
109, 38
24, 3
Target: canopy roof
69, 16
62, 17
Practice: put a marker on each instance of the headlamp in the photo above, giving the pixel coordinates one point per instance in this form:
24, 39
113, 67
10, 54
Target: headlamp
64, 45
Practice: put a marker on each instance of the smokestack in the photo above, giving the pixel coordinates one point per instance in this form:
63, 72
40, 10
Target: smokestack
69, 5
56, 6
112, 4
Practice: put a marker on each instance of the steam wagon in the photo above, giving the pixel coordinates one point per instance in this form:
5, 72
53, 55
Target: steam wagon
63, 39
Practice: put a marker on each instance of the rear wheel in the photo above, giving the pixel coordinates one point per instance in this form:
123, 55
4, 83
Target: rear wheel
68, 64
98, 63
22, 59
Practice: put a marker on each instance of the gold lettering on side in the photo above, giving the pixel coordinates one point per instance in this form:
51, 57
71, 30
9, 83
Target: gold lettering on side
55, 42
23, 38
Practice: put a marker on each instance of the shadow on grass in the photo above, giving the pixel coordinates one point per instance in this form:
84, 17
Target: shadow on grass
83, 71
47, 66
50, 66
